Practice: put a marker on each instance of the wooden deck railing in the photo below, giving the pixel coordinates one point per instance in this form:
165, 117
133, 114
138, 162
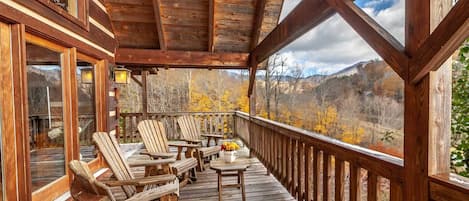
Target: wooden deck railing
315, 167
210, 122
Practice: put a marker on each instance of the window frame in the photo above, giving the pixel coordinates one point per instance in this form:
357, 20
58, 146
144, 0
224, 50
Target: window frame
66, 56
95, 63
82, 12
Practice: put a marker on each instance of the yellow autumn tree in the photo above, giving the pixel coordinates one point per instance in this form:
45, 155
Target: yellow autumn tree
352, 135
201, 102
243, 103
326, 121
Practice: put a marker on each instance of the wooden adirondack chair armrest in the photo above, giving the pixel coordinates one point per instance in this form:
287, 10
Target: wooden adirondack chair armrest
184, 145
190, 149
151, 180
212, 135
193, 141
158, 155
139, 163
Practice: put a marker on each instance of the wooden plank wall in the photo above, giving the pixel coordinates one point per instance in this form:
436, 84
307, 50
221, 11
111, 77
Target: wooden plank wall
96, 39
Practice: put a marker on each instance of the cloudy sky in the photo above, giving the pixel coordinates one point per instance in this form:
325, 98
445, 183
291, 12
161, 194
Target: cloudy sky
334, 45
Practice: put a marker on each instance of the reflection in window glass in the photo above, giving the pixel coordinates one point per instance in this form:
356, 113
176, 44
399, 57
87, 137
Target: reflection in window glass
71, 6
86, 109
45, 115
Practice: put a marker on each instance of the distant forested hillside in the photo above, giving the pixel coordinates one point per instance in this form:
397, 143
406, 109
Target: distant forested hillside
361, 104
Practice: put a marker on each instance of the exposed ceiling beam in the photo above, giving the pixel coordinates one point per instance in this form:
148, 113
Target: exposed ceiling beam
178, 59
159, 24
257, 25
211, 25
305, 16
442, 43
377, 37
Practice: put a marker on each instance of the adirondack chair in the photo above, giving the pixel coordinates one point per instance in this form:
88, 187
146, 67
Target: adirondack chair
109, 148
191, 131
85, 187
154, 138
191, 134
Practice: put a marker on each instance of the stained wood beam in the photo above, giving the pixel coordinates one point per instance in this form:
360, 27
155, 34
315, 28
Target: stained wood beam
305, 16
159, 24
444, 40
211, 26
376, 36
175, 59
416, 107
257, 26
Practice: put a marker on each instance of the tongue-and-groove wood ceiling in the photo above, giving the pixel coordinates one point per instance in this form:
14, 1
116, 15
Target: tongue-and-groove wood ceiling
193, 25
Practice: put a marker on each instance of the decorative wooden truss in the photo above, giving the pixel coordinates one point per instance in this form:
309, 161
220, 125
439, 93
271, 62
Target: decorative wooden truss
444, 40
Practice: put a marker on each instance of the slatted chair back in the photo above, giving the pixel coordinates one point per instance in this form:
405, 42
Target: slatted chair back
189, 128
108, 146
86, 181
154, 136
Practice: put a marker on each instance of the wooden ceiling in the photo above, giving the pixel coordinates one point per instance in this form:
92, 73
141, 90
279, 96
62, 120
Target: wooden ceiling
228, 26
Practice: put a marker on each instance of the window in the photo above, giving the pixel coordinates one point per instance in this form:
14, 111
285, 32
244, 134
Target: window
46, 123
86, 107
74, 10
70, 6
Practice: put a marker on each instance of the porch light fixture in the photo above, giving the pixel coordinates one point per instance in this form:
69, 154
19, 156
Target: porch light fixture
121, 75
87, 75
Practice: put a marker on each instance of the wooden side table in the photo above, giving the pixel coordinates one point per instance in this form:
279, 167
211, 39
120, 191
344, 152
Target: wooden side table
234, 169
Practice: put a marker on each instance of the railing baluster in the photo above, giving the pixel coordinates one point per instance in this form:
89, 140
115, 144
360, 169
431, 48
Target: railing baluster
285, 161
300, 165
289, 165
372, 186
326, 181
339, 179
308, 166
316, 172
355, 183
269, 151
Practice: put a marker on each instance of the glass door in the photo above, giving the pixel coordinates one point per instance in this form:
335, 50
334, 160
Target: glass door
46, 114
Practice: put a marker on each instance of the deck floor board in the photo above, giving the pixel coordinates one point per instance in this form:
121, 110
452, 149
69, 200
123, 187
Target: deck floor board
259, 185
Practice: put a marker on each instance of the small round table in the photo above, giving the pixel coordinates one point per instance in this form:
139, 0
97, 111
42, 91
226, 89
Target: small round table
234, 169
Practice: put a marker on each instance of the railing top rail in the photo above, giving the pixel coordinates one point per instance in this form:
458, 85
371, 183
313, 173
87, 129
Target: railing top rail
177, 113
378, 161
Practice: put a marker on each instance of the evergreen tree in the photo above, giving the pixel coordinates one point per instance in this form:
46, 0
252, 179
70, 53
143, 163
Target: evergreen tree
460, 111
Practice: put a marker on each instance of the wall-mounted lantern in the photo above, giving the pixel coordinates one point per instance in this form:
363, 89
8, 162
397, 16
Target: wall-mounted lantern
121, 75
87, 75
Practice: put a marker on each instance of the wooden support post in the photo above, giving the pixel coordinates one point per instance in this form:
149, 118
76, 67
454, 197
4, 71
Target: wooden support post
427, 106
144, 95
416, 104
440, 102
252, 113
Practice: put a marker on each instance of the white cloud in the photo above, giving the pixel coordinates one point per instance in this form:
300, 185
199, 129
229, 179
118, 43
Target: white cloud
334, 45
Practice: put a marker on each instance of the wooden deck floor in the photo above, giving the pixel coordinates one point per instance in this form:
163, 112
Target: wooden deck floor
259, 186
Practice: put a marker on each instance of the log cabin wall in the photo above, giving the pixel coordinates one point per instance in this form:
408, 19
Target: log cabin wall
90, 34
95, 37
